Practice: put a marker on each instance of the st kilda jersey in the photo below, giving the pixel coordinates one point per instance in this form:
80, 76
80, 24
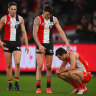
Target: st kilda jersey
45, 30
12, 28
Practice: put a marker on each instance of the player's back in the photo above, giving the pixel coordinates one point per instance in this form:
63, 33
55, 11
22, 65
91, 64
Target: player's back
82, 64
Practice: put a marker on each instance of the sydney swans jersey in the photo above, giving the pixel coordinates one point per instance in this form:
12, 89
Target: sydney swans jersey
81, 64
45, 30
12, 28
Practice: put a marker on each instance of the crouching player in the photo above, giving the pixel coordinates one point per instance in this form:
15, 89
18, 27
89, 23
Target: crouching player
77, 73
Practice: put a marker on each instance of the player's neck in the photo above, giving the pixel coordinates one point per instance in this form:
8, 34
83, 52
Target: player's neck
45, 17
12, 16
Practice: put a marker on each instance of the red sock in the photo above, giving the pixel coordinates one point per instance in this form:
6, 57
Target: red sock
38, 84
48, 83
82, 86
75, 85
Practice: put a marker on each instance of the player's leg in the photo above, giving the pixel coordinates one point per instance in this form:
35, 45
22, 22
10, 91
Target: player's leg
8, 58
40, 58
17, 57
64, 76
78, 77
49, 59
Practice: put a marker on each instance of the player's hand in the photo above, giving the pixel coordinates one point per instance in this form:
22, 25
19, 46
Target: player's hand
58, 71
68, 46
2, 45
27, 49
42, 49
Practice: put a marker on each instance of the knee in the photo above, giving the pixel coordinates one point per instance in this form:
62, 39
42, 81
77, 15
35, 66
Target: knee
49, 67
59, 75
17, 63
39, 67
57, 72
70, 73
9, 65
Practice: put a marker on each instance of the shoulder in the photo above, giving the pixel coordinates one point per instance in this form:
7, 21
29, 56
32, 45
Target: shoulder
73, 54
20, 18
37, 20
55, 19
3, 18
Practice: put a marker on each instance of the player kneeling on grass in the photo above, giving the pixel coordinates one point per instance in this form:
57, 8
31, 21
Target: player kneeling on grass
77, 73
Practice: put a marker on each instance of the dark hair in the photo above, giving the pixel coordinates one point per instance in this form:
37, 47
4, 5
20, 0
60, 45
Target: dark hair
60, 51
12, 4
48, 7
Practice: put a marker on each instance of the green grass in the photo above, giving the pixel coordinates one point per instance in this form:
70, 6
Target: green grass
59, 87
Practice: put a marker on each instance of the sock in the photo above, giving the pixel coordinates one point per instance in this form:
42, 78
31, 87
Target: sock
75, 85
10, 82
48, 84
38, 85
16, 80
82, 86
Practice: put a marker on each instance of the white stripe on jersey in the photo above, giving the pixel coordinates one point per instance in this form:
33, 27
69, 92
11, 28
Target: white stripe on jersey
46, 31
12, 29
80, 66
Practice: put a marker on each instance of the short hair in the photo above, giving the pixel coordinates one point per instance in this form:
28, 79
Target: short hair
48, 7
12, 4
60, 51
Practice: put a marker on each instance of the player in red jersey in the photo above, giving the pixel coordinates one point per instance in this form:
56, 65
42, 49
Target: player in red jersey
11, 42
42, 33
77, 73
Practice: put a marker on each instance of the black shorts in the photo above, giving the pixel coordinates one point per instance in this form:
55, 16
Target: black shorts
49, 48
12, 46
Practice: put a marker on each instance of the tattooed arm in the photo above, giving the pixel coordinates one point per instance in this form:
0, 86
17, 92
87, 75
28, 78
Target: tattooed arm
35, 36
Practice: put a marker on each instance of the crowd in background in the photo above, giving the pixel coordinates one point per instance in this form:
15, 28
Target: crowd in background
69, 12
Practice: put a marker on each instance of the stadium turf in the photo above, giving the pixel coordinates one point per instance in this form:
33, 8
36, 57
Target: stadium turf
59, 87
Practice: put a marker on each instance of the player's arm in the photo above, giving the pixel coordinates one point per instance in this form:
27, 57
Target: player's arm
62, 67
35, 31
2, 22
24, 34
60, 30
72, 64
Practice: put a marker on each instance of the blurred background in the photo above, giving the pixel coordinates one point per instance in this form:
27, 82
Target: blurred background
76, 17
78, 20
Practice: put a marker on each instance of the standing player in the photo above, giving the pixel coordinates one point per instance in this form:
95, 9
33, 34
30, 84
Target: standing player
77, 73
11, 42
42, 33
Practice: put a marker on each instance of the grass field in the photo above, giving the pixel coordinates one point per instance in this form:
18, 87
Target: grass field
59, 87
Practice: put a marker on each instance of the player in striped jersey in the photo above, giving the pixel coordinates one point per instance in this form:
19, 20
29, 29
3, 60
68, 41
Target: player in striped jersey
11, 42
42, 33
77, 73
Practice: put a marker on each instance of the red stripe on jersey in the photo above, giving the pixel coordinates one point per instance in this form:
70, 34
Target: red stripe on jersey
7, 29
41, 29
84, 62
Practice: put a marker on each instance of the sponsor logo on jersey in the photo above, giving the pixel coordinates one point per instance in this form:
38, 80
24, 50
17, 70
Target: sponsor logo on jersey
9, 22
43, 23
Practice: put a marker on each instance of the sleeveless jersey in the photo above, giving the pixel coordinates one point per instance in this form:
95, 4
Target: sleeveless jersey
45, 30
12, 28
81, 64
